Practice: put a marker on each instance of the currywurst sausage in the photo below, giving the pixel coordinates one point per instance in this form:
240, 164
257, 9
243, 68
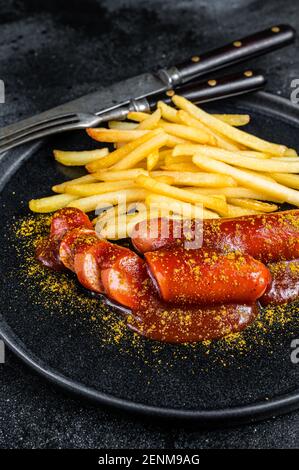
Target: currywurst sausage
266, 237
206, 277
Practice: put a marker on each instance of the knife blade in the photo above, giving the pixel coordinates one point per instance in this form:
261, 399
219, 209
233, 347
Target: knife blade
105, 99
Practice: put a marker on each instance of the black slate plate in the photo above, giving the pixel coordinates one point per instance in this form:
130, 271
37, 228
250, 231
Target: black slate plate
76, 343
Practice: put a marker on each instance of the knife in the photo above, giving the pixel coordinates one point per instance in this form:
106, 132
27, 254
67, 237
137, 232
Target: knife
147, 84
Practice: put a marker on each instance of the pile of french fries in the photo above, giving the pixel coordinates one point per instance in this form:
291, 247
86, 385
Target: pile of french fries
176, 162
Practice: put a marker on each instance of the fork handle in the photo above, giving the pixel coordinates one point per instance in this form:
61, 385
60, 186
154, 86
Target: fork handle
231, 54
211, 90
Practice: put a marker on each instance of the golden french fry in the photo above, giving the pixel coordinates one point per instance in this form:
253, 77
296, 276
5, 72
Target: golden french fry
219, 141
60, 188
137, 116
252, 204
51, 203
123, 125
117, 155
234, 119
117, 210
151, 122
165, 153
71, 158
173, 140
177, 206
137, 155
101, 134
115, 229
100, 201
236, 192
249, 179
188, 133
215, 203
180, 167
168, 113
152, 160
170, 159
292, 181
107, 175
287, 159
290, 153
85, 190
192, 149
236, 211
269, 165
225, 129
196, 179
164, 179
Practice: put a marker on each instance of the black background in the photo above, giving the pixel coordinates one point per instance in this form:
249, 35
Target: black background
53, 51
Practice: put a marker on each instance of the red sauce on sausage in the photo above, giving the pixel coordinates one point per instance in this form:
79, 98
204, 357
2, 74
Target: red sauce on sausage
47, 253
285, 283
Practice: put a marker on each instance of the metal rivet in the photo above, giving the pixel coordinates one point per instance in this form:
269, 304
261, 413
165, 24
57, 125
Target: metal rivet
170, 93
275, 29
248, 73
195, 58
237, 43
212, 82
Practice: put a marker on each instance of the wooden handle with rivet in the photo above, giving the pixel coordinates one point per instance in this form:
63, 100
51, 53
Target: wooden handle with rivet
235, 52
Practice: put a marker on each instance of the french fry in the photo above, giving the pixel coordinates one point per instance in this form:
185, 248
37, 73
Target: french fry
164, 179
137, 116
120, 153
123, 125
151, 122
253, 204
290, 153
51, 203
79, 158
152, 160
177, 206
180, 167
137, 155
173, 140
262, 175
192, 149
170, 159
234, 119
60, 188
188, 133
85, 190
236, 192
115, 229
196, 179
215, 203
249, 179
262, 165
115, 211
101, 201
165, 153
107, 175
220, 141
101, 134
292, 181
236, 211
225, 129
168, 113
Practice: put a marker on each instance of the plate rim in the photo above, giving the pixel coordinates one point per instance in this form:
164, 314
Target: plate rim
259, 410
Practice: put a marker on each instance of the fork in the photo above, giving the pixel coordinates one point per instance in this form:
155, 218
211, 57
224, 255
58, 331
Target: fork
198, 92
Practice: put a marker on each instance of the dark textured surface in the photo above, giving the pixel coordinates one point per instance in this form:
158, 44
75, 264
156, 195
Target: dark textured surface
59, 53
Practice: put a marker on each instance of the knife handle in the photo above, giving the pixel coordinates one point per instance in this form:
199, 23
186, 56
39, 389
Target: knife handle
233, 53
211, 90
